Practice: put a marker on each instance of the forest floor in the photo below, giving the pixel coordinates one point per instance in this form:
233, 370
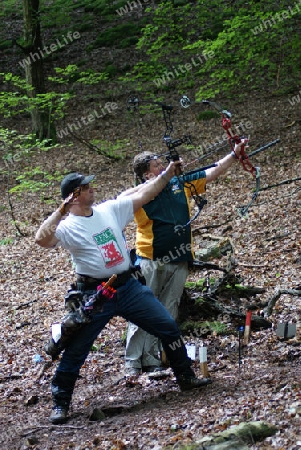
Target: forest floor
151, 414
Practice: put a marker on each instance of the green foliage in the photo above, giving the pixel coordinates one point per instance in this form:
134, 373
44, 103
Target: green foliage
190, 284
6, 241
248, 50
199, 283
100, 7
58, 14
192, 327
4, 45
108, 8
252, 44
55, 13
216, 327
16, 81
17, 153
72, 74
85, 26
35, 179
143, 73
17, 149
168, 30
123, 337
9, 7
17, 101
111, 70
115, 150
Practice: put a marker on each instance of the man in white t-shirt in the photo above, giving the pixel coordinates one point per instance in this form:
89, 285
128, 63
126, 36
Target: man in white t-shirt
93, 236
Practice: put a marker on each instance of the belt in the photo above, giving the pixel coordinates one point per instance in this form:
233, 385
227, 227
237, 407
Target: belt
92, 283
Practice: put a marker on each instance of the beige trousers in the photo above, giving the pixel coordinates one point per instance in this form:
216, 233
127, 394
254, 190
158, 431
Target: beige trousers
167, 283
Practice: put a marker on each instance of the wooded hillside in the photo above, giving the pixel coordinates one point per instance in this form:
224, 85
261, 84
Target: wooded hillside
82, 87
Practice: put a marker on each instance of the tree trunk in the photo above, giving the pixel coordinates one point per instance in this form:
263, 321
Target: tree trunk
42, 125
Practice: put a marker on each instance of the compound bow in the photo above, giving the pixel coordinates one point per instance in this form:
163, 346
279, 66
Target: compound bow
185, 102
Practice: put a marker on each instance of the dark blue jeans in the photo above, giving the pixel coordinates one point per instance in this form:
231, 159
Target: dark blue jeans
136, 303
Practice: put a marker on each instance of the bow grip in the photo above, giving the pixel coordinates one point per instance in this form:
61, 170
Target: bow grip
173, 155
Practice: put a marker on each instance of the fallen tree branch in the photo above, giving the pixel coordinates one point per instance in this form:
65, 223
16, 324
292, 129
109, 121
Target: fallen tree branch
258, 266
277, 295
274, 238
51, 427
13, 214
10, 378
213, 226
205, 265
43, 369
26, 304
206, 306
93, 147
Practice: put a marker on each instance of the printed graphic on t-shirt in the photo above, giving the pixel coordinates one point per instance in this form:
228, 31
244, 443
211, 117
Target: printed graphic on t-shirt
175, 188
109, 248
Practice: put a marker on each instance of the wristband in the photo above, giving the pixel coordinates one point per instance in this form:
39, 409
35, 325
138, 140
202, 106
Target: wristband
234, 154
62, 209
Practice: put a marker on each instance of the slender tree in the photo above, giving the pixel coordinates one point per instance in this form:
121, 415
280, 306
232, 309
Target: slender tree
42, 124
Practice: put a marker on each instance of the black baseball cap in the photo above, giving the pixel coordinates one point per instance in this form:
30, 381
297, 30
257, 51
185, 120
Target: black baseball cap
73, 181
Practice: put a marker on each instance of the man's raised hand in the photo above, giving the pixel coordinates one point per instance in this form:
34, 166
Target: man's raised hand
65, 206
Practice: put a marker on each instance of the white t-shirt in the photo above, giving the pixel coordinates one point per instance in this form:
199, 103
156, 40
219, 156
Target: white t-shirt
96, 243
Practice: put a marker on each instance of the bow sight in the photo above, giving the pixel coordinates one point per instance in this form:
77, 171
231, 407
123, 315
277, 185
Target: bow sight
133, 103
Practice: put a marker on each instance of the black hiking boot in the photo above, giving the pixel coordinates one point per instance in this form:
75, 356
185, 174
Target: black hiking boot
188, 382
62, 386
59, 415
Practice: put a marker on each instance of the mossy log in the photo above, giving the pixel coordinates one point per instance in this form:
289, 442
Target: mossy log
220, 299
247, 432
234, 438
193, 313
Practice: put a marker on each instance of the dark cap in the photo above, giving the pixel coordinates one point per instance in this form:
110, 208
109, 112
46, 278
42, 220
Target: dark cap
73, 181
